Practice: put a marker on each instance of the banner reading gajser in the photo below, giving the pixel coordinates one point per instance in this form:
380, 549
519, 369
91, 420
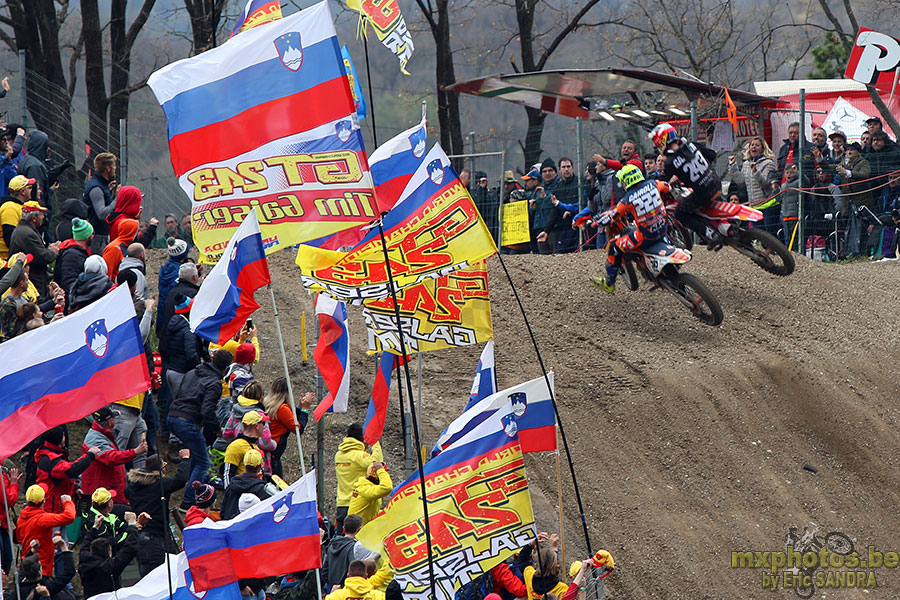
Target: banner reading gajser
453, 310
389, 25
479, 512
432, 231
267, 122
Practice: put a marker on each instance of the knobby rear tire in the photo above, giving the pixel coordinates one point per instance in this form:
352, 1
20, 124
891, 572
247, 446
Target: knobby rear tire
764, 247
690, 288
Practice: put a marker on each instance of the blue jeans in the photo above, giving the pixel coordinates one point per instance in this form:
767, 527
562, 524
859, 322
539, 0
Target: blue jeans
192, 437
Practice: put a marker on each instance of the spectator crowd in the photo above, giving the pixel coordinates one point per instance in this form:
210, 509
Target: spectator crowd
107, 491
849, 192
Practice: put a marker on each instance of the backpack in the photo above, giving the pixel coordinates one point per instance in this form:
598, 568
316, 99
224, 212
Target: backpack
477, 589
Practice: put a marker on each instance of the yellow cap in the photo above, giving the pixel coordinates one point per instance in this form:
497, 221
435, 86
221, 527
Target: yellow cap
252, 418
574, 568
101, 496
252, 458
34, 494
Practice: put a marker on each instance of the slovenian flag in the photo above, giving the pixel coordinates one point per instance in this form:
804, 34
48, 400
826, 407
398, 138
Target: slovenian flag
485, 383
225, 299
394, 162
376, 414
532, 409
155, 585
332, 354
66, 370
277, 536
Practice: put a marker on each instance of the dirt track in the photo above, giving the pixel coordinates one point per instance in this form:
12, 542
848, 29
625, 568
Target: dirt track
689, 441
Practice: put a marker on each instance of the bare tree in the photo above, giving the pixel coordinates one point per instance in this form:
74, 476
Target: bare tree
534, 55
437, 15
35, 26
108, 109
206, 16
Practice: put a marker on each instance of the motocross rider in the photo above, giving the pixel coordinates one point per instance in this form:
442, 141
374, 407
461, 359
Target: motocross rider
693, 166
643, 202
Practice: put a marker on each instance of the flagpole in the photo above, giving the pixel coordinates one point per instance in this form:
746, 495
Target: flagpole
287, 378
404, 425
562, 431
559, 502
369, 83
12, 543
412, 404
167, 533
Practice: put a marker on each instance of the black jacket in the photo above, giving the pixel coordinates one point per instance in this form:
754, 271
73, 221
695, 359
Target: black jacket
27, 239
245, 483
56, 585
338, 557
182, 347
198, 397
34, 166
808, 162
87, 288
100, 573
70, 263
166, 312
143, 493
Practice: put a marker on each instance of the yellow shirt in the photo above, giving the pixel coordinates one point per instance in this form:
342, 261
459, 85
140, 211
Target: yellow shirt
10, 214
234, 454
366, 500
528, 573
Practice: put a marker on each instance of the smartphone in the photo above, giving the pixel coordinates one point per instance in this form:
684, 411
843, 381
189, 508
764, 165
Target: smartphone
249, 323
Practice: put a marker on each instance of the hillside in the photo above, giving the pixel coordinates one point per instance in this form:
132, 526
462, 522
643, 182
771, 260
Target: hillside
689, 441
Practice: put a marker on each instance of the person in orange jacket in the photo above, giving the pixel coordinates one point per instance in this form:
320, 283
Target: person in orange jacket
36, 524
55, 473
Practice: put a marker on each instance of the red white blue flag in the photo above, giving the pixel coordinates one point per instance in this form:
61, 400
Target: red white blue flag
376, 414
267, 121
394, 162
279, 535
332, 354
68, 369
225, 299
532, 412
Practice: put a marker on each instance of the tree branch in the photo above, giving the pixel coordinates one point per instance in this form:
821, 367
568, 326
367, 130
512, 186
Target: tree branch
571, 26
138, 23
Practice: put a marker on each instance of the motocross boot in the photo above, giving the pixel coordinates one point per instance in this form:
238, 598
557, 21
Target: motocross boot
600, 283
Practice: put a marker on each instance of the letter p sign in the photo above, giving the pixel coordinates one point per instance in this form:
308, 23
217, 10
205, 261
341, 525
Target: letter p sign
874, 58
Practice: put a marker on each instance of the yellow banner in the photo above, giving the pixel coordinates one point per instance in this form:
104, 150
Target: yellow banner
389, 26
427, 238
453, 310
479, 513
515, 227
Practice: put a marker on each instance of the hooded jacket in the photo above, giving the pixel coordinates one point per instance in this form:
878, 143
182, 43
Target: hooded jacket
34, 166
366, 501
246, 483
350, 463
168, 277
356, 588
117, 249
12, 496
102, 573
128, 205
37, 523
108, 469
143, 491
337, 558
137, 265
71, 208
57, 475
70, 263
87, 288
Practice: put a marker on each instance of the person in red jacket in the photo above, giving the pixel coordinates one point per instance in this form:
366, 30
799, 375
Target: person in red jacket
108, 469
37, 524
55, 473
11, 483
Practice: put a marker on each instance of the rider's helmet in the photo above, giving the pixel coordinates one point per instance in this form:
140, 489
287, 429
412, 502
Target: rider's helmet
662, 135
629, 175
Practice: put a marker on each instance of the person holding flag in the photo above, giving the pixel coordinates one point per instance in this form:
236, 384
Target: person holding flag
369, 490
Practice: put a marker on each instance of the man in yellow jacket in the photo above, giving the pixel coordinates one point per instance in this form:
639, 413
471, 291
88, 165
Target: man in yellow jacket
368, 492
350, 463
356, 585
